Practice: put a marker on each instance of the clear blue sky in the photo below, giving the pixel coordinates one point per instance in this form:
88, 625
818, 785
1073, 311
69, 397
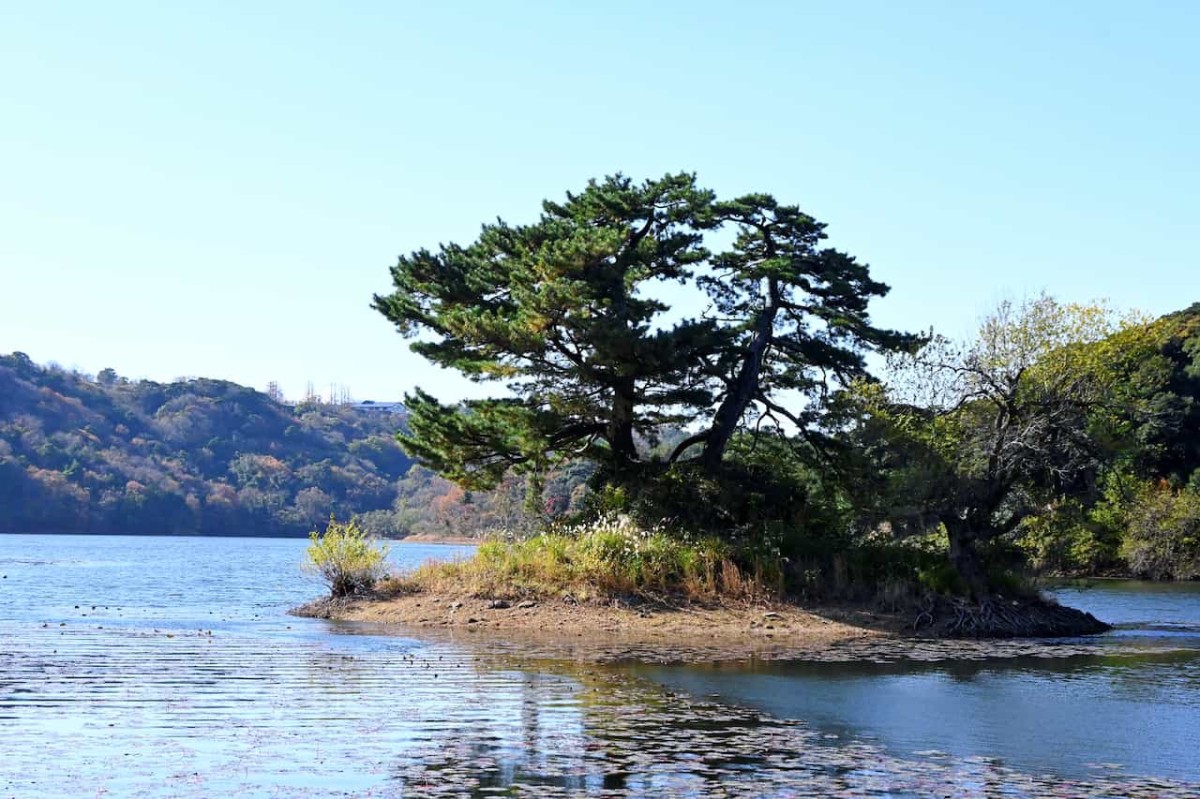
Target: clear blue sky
217, 189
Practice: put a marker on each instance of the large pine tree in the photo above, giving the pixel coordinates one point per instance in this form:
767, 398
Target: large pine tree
560, 311
567, 312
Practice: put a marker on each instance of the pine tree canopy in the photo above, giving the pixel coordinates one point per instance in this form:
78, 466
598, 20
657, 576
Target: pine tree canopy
568, 313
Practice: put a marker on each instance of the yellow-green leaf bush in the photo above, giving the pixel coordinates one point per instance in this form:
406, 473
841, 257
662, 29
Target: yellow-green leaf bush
1163, 541
347, 558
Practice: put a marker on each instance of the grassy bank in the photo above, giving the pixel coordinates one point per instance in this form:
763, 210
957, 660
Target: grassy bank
606, 559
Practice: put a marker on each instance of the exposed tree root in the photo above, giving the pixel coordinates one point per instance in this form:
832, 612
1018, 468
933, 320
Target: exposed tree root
1000, 617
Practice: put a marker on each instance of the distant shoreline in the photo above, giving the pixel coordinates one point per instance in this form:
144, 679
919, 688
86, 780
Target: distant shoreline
420, 538
431, 538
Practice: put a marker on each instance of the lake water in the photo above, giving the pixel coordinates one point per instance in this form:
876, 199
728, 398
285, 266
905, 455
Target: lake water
166, 667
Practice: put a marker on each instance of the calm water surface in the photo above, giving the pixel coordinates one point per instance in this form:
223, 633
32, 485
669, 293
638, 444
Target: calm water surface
133, 666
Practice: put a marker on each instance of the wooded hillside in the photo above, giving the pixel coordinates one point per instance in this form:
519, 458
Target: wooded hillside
210, 457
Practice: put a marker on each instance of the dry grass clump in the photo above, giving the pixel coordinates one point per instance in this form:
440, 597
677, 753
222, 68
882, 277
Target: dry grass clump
609, 557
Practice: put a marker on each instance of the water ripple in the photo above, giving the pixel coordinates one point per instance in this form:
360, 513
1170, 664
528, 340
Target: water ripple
109, 689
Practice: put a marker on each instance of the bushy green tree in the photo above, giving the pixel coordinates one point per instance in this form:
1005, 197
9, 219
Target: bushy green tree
1170, 439
1163, 533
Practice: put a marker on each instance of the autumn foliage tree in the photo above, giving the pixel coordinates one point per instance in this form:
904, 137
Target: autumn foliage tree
979, 436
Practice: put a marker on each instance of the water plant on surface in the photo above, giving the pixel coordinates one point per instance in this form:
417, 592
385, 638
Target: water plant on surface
346, 557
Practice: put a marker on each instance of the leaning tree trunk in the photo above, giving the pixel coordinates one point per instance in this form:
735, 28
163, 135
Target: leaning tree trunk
745, 384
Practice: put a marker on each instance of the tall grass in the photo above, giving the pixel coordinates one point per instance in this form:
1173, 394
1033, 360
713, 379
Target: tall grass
609, 557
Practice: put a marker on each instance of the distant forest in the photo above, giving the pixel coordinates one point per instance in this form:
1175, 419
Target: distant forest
104, 454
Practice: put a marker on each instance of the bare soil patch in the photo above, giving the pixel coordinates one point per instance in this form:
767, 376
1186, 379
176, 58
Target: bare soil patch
633, 623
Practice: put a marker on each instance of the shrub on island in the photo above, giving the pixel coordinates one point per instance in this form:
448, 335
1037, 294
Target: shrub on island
347, 558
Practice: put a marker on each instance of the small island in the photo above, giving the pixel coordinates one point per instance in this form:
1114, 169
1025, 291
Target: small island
762, 459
